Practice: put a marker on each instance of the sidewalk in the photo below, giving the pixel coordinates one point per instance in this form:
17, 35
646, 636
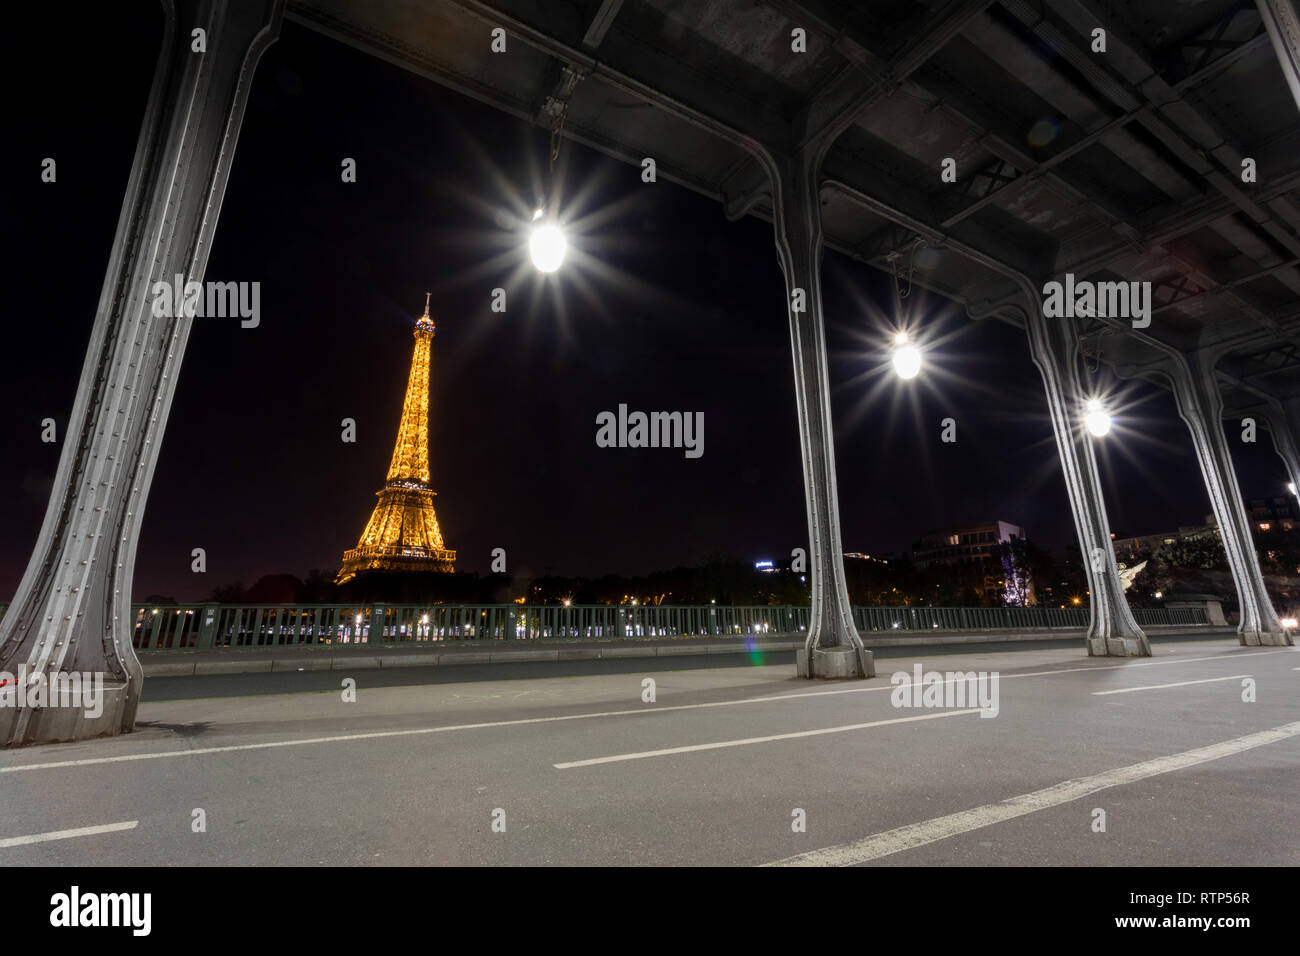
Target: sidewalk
363, 657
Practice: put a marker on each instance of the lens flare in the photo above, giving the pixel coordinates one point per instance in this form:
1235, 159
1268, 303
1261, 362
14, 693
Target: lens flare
1097, 419
907, 359
546, 247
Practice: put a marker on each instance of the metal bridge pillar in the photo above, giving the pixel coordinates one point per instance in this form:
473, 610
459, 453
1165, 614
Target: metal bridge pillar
833, 647
1284, 426
1283, 28
72, 610
1200, 405
1054, 346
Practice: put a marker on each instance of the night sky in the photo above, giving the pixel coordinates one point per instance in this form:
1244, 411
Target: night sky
663, 305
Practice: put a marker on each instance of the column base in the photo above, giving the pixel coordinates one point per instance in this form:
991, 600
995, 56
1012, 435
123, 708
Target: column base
1265, 638
52, 725
1118, 647
835, 663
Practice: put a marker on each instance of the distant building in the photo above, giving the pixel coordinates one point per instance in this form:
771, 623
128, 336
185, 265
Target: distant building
995, 545
1278, 511
859, 556
965, 544
1130, 549
1265, 514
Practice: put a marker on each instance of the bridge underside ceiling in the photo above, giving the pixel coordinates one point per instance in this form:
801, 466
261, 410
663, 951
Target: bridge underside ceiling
1124, 165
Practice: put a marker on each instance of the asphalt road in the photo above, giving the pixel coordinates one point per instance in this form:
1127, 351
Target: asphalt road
582, 771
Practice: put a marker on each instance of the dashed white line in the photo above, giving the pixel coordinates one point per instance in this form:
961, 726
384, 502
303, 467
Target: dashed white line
616, 758
1181, 683
68, 834
914, 835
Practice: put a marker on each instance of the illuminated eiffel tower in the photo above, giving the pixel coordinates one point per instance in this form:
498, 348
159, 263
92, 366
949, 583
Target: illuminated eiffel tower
402, 533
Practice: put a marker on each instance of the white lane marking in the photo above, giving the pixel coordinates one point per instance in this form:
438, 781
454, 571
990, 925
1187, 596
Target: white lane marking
1132, 663
1181, 683
914, 835
68, 834
339, 738
759, 740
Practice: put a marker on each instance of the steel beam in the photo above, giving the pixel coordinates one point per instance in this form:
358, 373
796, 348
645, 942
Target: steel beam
1174, 122
72, 610
1200, 405
1054, 347
1284, 427
836, 106
833, 647
602, 18
1284, 31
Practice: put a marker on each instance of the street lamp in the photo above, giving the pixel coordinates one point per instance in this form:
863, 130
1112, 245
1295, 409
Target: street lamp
1096, 418
907, 357
546, 244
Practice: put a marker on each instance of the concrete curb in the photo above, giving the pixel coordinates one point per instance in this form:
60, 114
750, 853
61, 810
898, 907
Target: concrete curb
253, 661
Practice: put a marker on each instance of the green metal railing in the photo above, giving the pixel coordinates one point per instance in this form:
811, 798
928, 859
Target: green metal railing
199, 626
989, 618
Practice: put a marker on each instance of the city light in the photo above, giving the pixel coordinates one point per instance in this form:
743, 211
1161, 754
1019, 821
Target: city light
1097, 419
907, 357
1289, 623
546, 245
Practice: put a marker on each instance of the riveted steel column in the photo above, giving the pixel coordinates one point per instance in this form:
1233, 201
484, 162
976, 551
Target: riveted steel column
1112, 630
1200, 405
1284, 421
1283, 28
833, 647
72, 611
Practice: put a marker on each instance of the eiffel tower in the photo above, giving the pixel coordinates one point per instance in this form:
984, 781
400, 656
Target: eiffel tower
402, 533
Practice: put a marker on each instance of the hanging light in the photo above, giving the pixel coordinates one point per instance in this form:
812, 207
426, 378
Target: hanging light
546, 242
906, 357
1096, 418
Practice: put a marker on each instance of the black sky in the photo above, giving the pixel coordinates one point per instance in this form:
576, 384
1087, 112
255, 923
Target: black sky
669, 307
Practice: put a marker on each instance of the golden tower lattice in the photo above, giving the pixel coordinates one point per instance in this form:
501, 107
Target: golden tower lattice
402, 533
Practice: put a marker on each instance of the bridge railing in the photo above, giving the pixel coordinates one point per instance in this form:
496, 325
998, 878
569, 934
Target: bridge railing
203, 626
